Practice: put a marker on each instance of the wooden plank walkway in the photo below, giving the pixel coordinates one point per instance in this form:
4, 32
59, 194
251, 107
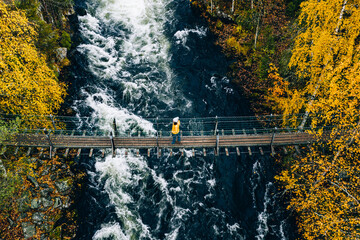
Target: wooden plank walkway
101, 142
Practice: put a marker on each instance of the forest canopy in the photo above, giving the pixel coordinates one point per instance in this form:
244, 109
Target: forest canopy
324, 184
27, 84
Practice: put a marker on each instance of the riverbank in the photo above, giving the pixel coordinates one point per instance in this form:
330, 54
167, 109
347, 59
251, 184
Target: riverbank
37, 193
44, 193
257, 39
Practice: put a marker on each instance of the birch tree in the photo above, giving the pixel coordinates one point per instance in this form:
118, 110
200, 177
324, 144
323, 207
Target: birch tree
324, 184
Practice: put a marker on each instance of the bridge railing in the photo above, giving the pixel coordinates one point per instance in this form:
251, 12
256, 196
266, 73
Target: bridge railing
223, 125
160, 126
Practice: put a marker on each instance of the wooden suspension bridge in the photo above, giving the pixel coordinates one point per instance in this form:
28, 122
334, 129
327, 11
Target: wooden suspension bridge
210, 133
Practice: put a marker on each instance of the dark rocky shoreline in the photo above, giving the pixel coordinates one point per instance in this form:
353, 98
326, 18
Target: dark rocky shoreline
46, 209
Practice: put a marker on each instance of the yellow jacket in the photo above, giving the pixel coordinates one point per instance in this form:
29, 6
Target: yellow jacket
175, 128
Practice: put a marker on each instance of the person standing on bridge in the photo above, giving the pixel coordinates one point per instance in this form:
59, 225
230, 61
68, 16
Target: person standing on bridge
175, 130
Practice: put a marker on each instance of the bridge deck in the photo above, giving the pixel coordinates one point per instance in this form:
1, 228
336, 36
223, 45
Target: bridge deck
67, 141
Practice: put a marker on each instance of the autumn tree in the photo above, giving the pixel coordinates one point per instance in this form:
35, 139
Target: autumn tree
27, 85
324, 184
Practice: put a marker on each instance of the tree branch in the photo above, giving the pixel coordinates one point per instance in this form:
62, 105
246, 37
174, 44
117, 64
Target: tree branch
344, 190
340, 17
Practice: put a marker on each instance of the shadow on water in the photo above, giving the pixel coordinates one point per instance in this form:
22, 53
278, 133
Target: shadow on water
201, 67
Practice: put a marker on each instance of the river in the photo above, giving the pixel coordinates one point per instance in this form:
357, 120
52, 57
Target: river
136, 59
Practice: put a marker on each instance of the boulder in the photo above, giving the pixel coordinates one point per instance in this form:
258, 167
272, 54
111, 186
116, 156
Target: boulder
33, 181
223, 16
60, 54
38, 218
70, 11
24, 203
28, 229
67, 202
47, 203
63, 187
44, 237
81, 11
46, 192
35, 203
57, 203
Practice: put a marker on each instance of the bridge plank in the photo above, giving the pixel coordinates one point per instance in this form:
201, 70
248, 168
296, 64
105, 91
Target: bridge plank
101, 142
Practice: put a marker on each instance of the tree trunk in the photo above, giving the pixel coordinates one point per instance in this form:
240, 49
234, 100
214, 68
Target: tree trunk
2, 169
257, 30
307, 112
232, 6
212, 6
340, 17
258, 23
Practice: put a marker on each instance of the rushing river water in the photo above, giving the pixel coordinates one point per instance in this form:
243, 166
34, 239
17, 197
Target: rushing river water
155, 58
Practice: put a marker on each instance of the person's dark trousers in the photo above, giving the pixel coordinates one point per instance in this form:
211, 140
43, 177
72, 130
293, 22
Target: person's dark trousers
174, 138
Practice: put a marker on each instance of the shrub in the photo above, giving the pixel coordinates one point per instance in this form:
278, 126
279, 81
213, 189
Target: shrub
65, 40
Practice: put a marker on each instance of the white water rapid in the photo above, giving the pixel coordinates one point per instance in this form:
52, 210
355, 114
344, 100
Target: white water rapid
128, 48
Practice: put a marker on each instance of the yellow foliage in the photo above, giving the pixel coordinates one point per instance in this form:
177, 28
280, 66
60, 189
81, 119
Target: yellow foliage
284, 98
27, 85
324, 185
238, 48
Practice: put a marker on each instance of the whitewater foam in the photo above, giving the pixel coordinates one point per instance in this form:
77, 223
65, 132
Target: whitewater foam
138, 43
263, 227
182, 35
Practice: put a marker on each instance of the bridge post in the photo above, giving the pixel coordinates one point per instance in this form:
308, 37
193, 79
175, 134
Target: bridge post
67, 150
112, 144
217, 145
272, 141
53, 122
157, 137
216, 125
92, 150
216, 133
115, 128
50, 143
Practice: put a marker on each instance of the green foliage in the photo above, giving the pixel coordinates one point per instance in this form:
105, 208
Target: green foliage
50, 32
7, 129
293, 8
238, 48
48, 38
269, 39
9, 180
246, 20
263, 64
9, 186
31, 8
65, 40
219, 24
265, 53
